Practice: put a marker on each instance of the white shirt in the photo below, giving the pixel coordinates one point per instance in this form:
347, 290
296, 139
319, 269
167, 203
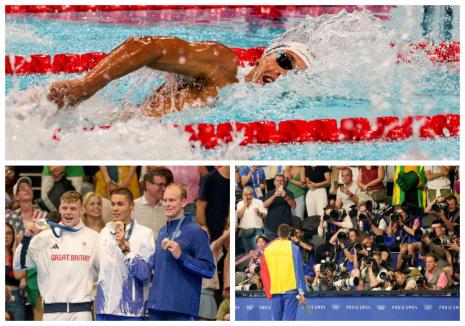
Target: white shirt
250, 219
346, 200
152, 217
65, 265
438, 183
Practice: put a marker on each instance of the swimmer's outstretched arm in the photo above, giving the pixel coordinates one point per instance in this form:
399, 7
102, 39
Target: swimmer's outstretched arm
213, 62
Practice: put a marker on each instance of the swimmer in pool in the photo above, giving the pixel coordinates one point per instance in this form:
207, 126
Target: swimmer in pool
208, 66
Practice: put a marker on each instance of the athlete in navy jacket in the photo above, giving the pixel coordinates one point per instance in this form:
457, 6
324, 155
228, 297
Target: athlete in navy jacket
182, 258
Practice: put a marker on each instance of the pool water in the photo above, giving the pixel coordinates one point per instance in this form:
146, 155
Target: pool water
356, 75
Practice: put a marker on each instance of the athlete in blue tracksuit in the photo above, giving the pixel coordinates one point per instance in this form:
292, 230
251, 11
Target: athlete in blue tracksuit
182, 258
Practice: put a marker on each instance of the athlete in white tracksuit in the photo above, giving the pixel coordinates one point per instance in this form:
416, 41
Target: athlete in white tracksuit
65, 270
119, 293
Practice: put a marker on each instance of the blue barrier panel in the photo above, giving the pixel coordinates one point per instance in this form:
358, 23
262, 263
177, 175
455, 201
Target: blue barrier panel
358, 308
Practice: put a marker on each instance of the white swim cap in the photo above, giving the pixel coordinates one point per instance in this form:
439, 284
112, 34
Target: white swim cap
300, 49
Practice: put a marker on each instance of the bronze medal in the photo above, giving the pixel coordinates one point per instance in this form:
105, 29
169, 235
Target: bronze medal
164, 243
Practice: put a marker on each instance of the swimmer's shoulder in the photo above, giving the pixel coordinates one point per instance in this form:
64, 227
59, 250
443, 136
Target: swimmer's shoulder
223, 60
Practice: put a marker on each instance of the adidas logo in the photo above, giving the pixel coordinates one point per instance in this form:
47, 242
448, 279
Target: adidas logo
55, 246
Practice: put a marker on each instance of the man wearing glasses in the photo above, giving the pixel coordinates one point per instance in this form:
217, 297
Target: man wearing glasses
148, 209
201, 70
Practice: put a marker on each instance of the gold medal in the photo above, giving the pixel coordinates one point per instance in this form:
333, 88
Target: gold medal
118, 225
164, 243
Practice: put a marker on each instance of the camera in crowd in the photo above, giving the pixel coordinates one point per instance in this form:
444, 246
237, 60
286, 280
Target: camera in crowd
342, 236
336, 215
334, 276
247, 285
346, 283
305, 235
429, 232
439, 206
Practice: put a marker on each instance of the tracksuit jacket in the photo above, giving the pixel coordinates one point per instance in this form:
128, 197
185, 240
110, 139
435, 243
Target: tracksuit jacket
177, 283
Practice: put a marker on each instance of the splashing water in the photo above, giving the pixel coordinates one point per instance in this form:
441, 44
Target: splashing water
356, 74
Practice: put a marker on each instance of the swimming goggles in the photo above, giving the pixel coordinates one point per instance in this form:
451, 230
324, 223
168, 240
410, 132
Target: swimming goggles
284, 60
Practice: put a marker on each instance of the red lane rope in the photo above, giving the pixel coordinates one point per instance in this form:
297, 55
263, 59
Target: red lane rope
77, 63
388, 128
265, 12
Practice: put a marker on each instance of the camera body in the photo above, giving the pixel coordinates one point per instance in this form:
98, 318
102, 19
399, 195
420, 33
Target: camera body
336, 215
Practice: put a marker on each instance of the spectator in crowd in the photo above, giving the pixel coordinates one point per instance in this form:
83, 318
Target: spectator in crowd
92, 216
438, 182
14, 280
182, 258
282, 275
295, 176
279, 203
370, 180
409, 185
317, 179
25, 214
270, 172
56, 256
250, 212
189, 176
10, 177
254, 177
148, 209
110, 178
237, 185
52, 174
213, 202
120, 293
347, 192
253, 269
27, 211
435, 277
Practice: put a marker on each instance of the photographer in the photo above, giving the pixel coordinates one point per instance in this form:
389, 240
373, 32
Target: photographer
453, 271
370, 246
344, 242
301, 239
432, 243
380, 278
436, 279
446, 209
366, 221
408, 223
323, 278
333, 220
406, 281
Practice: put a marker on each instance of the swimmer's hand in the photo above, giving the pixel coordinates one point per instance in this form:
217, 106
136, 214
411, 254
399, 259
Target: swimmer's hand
68, 92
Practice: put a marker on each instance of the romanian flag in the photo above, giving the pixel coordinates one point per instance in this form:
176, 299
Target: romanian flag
282, 268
